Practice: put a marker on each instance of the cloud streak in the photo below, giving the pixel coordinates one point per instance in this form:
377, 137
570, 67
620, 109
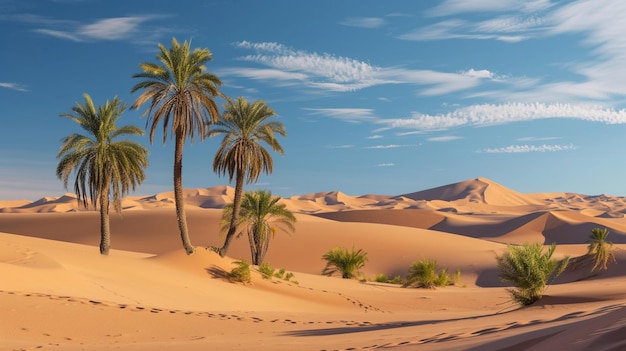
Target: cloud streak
13, 86
332, 73
490, 114
516, 149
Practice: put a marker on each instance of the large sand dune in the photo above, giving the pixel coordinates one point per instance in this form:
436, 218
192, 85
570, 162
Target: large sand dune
57, 292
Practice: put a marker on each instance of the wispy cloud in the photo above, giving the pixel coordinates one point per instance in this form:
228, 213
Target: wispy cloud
375, 136
490, 114
515, 149
363, 22
385, 165
450, 7
389, 146
13, 86
445, 138
114, 28
354, 115
538, 138
342, 74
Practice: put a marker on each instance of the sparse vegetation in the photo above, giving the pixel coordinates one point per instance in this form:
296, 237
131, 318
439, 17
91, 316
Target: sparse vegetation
347, 263
241, 273
600, 248
268, 272
426, 273
530, 270
383, 278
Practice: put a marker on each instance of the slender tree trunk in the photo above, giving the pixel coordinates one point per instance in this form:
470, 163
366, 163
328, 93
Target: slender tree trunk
105, 229
181, 217
232, 229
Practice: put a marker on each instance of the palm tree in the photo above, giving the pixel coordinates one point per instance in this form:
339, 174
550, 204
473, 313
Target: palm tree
261, 216
600, 248
103, 167
181, 96
241, 154
530, 270
348, 263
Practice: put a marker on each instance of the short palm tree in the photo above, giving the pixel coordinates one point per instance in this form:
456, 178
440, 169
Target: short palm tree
181, 95
103, 167
600, 248
245, 127
530, 270
261, 216
348, 263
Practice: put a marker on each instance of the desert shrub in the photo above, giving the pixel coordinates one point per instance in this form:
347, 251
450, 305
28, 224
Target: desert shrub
530, 270
280, 273
348, 263
600, 248
425, 273
397, 280
381, 278
266, 270
241, 273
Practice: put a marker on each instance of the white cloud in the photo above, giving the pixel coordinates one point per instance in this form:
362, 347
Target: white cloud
537, 138
341, 74
354, 115
445, 138
112, 28
456, 29
449, 7
363, 22
389, 146
13, 86
115, 28
375, 136
515, 149
385, 165
489, 114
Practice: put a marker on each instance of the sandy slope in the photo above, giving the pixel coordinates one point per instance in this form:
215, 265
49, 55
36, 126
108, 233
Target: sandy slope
57, 292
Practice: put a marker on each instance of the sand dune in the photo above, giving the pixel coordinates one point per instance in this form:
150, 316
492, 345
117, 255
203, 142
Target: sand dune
58, 292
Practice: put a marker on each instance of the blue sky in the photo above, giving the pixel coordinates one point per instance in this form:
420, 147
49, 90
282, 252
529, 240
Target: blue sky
383, 97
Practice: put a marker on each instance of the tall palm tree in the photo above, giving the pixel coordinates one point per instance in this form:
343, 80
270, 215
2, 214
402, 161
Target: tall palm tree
181, 95
600, 248
241, 154
261, 216
103, 167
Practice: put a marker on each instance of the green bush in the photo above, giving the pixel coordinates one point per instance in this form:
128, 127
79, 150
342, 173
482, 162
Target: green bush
348, 263
280, 274
530, 270
266, 270
425, 273
241, 273
381, 278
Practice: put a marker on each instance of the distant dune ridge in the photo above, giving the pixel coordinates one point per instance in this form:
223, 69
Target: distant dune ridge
148, 294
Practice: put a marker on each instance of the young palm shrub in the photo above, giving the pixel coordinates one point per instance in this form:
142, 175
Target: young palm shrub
600, 248
348, 263
530, 270
423, 274
266, 270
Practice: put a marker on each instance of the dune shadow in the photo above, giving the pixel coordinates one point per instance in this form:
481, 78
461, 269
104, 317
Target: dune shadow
379, 326
217, 272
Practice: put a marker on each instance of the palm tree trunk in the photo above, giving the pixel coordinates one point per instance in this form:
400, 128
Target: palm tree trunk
232, 229
105, 229
181, 217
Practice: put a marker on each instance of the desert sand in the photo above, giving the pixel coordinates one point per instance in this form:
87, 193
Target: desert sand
58, 293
